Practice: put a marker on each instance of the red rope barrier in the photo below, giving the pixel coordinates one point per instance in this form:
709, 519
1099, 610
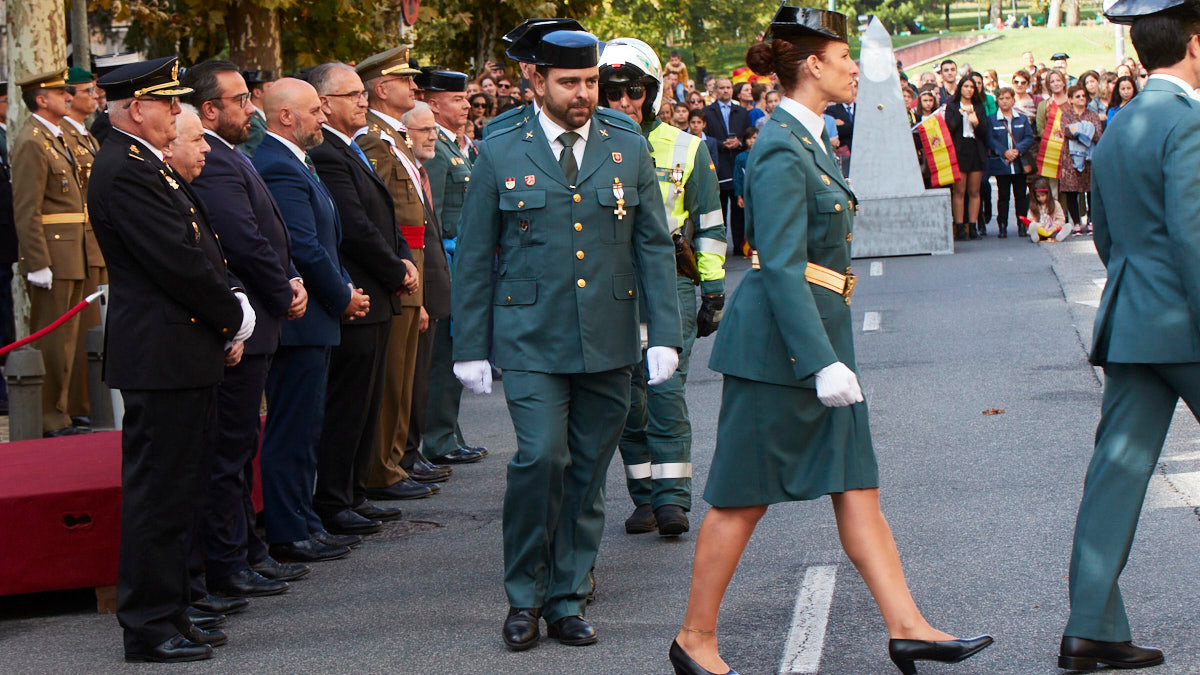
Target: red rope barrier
55, 324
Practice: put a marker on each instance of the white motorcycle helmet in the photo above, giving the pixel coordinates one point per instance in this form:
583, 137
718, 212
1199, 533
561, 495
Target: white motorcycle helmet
630, 61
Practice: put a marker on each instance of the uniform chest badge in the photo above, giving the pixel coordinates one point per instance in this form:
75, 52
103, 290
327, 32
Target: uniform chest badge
825, 179
616, 157
170, 181
619, 193
196, 229
510, 183
530, 180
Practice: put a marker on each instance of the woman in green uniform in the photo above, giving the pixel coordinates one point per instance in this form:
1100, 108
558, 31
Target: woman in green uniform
793, 423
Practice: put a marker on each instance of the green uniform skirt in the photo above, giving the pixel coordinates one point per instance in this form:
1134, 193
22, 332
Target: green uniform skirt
779, 444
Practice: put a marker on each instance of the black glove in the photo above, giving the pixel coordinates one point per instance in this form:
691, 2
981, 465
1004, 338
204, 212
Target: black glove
709, 318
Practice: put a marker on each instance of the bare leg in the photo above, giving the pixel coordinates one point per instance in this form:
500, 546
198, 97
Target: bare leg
719, 546
958, 189
868, 542
974, 179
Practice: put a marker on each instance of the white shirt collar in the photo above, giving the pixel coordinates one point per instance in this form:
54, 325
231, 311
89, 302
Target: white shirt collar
296, 150
335, 132
813, 123
52, 128
212, 134
453, 136
78, 125
390, 121
157, 153
1187, 88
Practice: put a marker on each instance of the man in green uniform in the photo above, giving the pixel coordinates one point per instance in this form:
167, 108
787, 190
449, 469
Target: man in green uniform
1145, 188
257, 81
572, 204
449, 176
656, 445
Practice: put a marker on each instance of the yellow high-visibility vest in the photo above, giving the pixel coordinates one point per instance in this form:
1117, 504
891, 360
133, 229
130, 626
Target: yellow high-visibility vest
674, 158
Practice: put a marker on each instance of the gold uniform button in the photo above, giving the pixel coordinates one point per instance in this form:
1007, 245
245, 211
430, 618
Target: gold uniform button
224, 330
849, 236
849, 205
793, 360
520, 205
578, 227
631, 292
837, 207
58, 236
193, 319
192, 209
508, 299
577, 198
581, 283
579, 254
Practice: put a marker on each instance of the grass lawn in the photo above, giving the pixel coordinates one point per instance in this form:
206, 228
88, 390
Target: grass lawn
1089, 47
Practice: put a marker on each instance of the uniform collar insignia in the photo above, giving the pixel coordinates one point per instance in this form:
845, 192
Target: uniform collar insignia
806, 139
603, 132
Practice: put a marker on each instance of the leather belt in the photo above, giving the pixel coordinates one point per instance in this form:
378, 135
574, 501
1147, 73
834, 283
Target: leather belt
63, 218
842, 284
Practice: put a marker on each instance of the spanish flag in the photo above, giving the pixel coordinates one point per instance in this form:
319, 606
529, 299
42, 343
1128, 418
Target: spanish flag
1050, 151
939, 151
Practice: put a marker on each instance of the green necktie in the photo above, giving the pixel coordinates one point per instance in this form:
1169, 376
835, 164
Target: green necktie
567, 159
311, 167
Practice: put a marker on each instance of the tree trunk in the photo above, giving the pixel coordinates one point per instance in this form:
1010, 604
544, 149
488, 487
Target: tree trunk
254, 37
1054, 14
485, 39
994, 12
1072, 12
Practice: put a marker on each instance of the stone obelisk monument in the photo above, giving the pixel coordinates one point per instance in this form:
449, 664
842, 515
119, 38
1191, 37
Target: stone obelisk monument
897, 215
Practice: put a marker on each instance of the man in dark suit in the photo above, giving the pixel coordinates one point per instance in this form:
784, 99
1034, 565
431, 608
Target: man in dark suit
171, 317
725, 120
379, 260
299, 372
843, 114
256, 247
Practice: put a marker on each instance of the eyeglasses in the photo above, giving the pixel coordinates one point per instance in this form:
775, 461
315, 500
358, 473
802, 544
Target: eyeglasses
422, 130
614, 92
360, 94
240, 99
504, 85
479, 104
1020, 82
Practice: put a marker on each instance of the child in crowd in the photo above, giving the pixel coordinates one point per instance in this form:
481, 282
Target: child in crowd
739, 165
1046, 221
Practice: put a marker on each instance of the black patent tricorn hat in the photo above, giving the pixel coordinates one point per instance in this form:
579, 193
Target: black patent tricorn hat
794, 22
1127, 11
432, 79
525, 39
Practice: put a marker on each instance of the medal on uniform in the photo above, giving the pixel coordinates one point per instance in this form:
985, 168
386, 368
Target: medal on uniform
170, 181
529, 180
677, 179
510, 183
619, 193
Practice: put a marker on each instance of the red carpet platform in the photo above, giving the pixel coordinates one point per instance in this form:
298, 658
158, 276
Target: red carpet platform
61, 505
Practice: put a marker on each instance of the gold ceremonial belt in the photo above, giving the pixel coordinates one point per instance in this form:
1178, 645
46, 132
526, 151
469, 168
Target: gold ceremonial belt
842, 284
63, 218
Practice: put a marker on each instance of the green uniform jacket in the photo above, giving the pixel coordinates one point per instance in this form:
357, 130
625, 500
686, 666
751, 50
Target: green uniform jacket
778, 328
258, 131
1145, 192
449, 175
564, 298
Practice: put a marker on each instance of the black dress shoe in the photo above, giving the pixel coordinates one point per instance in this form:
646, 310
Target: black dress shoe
81, 421
247, 584
904, 652
335, 540
436, 467
572, 630
401, 489
475, 448
686, 665
273, 569
308, 550
171, 650
423, 464
672, 520
521, 628
376, 512
459, 456
215, 605
426, 475
212, 638
349, 522
1082, 654
642, 520
65, 431
203, 619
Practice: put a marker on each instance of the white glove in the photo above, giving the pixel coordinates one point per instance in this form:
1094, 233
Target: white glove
661, 362
837, 386
42, 278
247, 328
475, 375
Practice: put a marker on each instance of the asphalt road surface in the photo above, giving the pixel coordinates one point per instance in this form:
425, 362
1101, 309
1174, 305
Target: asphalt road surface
982, 507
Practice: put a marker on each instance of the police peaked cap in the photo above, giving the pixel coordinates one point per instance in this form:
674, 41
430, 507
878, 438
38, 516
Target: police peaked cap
798, 22
157, 77
1127, 11
104, 64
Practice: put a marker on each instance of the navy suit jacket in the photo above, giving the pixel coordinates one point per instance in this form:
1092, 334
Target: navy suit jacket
255, 240
711, 144
997, 142
845, 130
316, 232
714, 125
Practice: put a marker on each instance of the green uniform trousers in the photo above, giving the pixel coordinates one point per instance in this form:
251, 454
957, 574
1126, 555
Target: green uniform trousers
567, 428
1139, 402
656, 445
442, 434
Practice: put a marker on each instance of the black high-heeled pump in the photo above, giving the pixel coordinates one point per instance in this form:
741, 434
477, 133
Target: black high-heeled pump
904, 652
686, 665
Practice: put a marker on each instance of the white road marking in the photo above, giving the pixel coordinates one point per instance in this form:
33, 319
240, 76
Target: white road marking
876, 269
1182, 457
1174, 490
806, 639
871, 321
1089, 303
1100, 282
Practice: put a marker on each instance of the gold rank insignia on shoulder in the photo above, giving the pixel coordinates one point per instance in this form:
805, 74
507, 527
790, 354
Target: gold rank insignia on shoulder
783, 124
806, 140
603, 132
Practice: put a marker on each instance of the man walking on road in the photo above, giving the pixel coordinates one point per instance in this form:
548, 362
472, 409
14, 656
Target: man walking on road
1147, 334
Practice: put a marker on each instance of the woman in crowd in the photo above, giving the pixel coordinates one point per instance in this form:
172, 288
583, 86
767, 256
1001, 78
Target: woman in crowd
966, 118
1046, 219
1081, 127
1090, 80
1123, 92
488, 85
481, 112
1056, 85
991, 82
1023, 101
927, 105
473, 88
1042, 89
778, 438
1011, 136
